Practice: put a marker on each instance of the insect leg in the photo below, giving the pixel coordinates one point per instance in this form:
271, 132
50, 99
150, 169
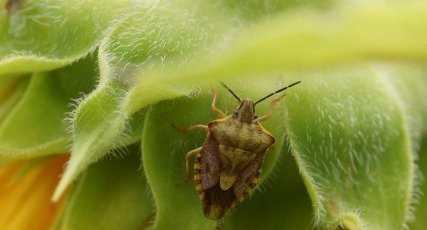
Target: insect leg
193, 127
188, 155
270, 111
217, 111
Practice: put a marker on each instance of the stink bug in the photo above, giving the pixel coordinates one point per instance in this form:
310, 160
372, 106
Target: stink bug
228, 165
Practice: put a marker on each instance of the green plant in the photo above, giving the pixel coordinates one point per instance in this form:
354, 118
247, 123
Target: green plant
130, 69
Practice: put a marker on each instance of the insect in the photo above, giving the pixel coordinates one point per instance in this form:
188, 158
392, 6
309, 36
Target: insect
228, 165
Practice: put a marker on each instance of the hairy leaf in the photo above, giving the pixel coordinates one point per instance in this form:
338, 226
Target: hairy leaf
111, 194
98, 126
311, 40
349, 136
39, 35
420, 213
34, 125
12, 89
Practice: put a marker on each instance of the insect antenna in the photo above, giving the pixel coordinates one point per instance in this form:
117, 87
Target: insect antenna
231, 91
278, 91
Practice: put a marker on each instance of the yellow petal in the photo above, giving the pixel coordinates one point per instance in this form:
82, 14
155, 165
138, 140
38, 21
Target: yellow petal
25, 198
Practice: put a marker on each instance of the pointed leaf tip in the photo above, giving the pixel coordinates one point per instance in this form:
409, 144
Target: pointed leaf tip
65, 181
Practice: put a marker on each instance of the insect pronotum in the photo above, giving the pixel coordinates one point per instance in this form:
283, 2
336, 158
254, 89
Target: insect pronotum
228, 165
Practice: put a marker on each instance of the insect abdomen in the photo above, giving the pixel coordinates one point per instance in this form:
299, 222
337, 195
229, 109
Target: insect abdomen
206, 177
216, 202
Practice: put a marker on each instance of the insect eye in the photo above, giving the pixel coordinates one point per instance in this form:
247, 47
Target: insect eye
256, 116
235, 113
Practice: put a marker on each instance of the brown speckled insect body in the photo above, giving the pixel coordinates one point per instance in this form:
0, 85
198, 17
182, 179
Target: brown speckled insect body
228, 165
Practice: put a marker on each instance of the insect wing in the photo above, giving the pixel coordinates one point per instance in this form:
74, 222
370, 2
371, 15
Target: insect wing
210, 163
249, 177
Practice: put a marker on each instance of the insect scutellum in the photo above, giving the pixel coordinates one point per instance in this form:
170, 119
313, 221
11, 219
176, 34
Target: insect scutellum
246, 109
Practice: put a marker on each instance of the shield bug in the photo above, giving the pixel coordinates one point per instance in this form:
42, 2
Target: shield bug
228, 165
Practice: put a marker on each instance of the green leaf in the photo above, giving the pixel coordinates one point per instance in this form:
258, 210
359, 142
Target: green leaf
23, 133
44, 34
411, 85
98, 126
35, 126
155, 35
420, 213
254, 9
11, 91
349, 136
309, 39
111, 194
179, 32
